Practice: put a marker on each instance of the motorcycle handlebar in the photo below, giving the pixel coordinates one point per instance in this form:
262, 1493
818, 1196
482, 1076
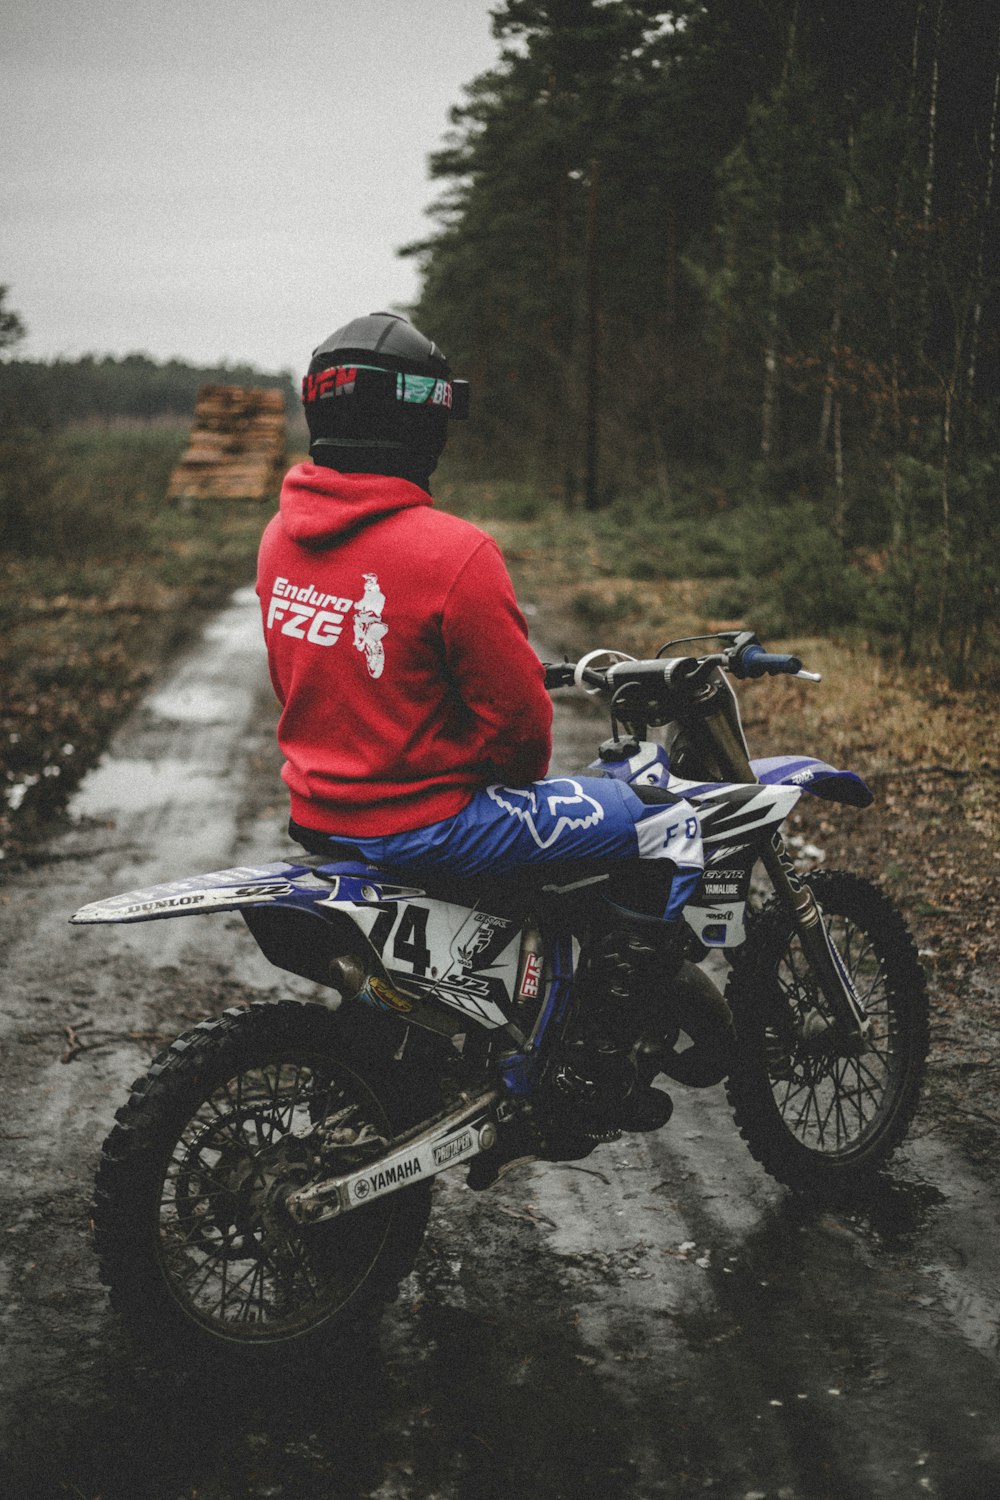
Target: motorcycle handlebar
745, 658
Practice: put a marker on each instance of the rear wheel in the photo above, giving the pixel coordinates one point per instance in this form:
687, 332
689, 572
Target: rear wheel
816, 1113
191, 1230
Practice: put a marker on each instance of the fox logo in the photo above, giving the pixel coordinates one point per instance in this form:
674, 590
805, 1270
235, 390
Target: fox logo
563, 804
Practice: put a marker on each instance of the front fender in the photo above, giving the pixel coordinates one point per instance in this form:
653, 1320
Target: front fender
815, 777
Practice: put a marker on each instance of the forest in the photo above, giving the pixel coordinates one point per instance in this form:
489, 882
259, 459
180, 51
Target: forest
44, 396
85, 443
739, 260
725, 278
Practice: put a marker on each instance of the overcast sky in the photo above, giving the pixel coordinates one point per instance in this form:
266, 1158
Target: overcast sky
220, 179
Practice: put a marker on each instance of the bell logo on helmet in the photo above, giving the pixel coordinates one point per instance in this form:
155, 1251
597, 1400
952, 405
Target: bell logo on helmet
424, 390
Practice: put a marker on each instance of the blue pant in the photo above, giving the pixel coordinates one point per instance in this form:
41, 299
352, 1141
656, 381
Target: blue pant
503, 829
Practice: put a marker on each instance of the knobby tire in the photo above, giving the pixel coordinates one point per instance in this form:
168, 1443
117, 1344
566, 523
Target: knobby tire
825, 1122
197, 1257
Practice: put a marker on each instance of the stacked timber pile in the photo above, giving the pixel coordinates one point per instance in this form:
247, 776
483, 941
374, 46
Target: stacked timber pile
236, 450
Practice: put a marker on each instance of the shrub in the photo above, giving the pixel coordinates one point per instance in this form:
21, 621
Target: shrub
84, 491
802, 573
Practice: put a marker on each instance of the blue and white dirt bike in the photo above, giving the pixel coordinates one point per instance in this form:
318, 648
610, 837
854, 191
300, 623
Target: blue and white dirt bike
268, 1181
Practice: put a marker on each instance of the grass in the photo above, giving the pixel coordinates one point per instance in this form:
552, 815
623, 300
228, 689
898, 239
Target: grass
108, 579
778, 555
115, 577
580, 573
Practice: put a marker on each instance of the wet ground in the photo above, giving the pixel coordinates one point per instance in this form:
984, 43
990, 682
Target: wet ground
657, 1321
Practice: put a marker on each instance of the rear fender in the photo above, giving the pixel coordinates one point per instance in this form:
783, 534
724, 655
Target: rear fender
279, 883
430, 961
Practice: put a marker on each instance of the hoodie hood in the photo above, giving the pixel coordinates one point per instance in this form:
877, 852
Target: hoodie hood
319, 506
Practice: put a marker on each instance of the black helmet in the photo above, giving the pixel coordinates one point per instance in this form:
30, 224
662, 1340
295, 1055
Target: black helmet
377, 399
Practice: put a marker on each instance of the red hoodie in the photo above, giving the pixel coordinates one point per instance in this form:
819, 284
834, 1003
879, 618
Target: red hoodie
398, 654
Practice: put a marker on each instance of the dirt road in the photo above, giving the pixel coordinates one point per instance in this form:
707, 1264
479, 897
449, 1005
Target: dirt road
656, 1321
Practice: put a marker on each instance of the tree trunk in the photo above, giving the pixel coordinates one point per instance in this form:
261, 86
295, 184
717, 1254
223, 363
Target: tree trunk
840, 512
769, 400
592, 498
902, 521
928, 198
977, 309
945, 574
902, 535
826, 411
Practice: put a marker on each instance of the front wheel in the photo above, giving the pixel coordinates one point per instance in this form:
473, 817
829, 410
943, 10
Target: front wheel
189, 1221
815, 1112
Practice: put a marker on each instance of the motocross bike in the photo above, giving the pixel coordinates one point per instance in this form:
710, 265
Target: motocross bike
268, 1181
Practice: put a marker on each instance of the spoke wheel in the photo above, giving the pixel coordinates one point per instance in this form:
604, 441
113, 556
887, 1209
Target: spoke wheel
190, 1220
815, 1110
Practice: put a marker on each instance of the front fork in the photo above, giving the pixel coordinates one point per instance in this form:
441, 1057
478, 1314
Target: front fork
827, 966
727, 745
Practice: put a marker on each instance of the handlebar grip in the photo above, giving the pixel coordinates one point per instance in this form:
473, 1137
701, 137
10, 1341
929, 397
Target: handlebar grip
754, 661
558, 674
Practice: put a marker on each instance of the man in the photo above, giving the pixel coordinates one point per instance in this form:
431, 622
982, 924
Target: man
415, 724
